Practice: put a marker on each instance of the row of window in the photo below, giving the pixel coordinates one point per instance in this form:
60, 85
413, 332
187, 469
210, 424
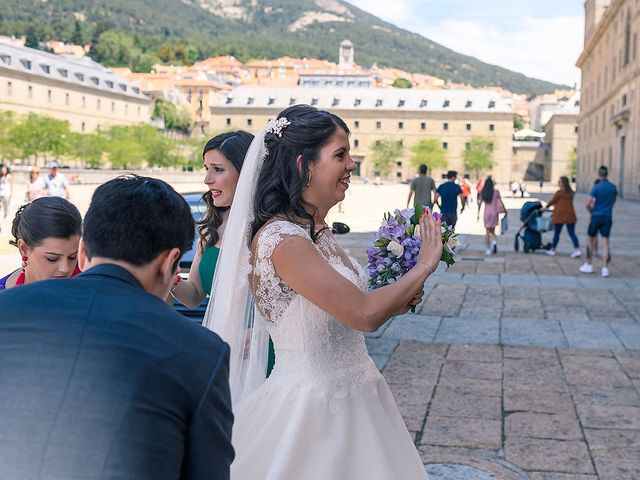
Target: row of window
67, 99
356, 124
64, 73
598, 122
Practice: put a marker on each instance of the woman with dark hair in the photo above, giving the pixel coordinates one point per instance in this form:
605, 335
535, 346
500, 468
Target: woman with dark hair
493, 206
47, 233
564, 214
325, 411
6, 189
223, 156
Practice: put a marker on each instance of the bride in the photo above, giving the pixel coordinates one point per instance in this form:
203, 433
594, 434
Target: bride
325, 412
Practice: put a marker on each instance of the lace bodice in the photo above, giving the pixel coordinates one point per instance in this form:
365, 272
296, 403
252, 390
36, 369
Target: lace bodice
308, 341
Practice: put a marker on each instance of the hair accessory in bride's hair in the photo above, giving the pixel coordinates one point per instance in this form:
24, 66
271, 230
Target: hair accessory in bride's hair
277, 126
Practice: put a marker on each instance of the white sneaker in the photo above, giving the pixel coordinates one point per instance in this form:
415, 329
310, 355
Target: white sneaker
605, 272
586, 268
487, 252
551, 253
576, 253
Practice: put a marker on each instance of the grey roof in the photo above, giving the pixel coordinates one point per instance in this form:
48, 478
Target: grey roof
367, 99
67, 69
571, 106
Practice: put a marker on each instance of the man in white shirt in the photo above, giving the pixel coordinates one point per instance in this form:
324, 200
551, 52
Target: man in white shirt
56, 183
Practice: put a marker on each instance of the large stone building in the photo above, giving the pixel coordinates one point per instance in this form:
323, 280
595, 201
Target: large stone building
80, 91
609, 120
452, 117
561, 134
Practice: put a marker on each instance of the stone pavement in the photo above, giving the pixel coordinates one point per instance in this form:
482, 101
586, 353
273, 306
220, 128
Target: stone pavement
519, 367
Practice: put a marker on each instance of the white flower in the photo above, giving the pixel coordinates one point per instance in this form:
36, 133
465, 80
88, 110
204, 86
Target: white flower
276, 126
395, 248
416, 233
451, 244
443, 229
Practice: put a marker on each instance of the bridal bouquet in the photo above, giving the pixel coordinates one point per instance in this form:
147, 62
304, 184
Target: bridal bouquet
397, 243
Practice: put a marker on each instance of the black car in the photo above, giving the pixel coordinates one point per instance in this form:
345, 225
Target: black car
198, 210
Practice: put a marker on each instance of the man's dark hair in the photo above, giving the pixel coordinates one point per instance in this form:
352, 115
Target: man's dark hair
603, 171
452, 174
134, 219
423, 169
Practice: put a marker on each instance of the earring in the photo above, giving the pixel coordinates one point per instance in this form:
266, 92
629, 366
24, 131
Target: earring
24, 262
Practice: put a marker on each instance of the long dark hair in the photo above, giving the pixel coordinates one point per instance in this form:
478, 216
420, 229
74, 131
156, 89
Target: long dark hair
281, 181
566, 186
487, 190
234, 146
46, 217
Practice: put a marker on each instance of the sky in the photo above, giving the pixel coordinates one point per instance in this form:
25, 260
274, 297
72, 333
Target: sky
541, 39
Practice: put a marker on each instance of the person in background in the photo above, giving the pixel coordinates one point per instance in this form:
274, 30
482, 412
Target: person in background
6, 189
479, 187
449, 192
56, 183
522, 187
36, 188
493, 206
514, 186
423, 188
46, 232
466, 193
564, 214
600, 204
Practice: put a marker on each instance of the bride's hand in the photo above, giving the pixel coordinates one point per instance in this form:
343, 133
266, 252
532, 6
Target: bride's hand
431, 241
417, 298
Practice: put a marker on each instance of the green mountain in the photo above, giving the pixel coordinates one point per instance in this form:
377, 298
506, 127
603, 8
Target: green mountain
254, 29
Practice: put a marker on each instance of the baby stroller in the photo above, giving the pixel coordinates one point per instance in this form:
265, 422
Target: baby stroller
534, 223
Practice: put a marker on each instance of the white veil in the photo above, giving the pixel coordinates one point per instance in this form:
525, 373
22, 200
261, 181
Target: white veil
231, 312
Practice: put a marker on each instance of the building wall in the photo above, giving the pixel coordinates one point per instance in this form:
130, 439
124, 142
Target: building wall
84, 108
396, 125
562, 134
609, 122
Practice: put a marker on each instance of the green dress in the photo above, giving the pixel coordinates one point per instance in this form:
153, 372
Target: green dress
208, 262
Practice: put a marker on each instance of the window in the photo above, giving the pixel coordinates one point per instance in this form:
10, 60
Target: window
399, 174
314, 101
250, 100
445, 126
468, 104
123, 87
109, 83
378, 125
229, 99
45, 68
6, 59
468, 127
492, 104
398, 164
49, 95
292, 100
627, 40
401, 102
423, 126
9, 88
339, 83
80, 76
126, 108
400, 125
624, 100
356, 124
26, 63
30, 91
139, 110
271, 100
356, 143
445, 145
228, 122
575, 129
446, 104
113, 107
492, 127
84, 102
467, 146
95, 80
66, 99
336, 102
423, 103
379, 102
135, 89
357, 102
249, 122
82, 126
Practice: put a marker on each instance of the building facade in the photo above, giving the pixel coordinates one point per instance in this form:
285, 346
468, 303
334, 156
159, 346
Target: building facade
80, 91
451, 117
609, 120
561, 134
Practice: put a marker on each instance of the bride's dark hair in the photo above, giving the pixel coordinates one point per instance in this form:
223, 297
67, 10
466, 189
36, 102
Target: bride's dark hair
234, 146
281, 182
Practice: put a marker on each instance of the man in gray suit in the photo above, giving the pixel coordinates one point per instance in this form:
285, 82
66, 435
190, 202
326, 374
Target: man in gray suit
99, 378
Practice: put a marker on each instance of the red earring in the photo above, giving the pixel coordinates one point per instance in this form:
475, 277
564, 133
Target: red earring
24, 262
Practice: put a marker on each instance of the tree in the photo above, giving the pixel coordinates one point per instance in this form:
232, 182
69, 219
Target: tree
402, 83
429, 152
89, 148
174, 117
77, 37
41, 135
123, 147
385, 153
8, 150
479, 155
114, 49
518, 122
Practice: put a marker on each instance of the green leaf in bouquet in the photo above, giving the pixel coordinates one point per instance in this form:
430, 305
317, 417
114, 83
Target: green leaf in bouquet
417, 210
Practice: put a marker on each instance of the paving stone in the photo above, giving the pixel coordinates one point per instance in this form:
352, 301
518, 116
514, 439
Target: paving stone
536, 401
468, 330
598, 282
381, 346
544, 375
529, 292
380, 360
590, 335
609, 416
517, 331
543, 425
522, 352
603, 438
420, 328
616, 470
411, 376
488, 371
549, 455
557, 281
519, 280
474, 386
475, 353
628, 333
449, 403
559, 476
556, 312
462, 432
605, 372
630, 362
598, 395
478, 279
413, 415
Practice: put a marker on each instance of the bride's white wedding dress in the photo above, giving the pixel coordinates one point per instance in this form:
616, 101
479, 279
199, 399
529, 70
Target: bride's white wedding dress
325, 412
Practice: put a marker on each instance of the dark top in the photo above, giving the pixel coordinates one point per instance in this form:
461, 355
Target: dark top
605, 194
449, 192
100, 379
